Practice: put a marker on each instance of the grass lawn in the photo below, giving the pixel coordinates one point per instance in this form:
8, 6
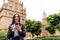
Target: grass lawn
47, 38
3, 36
3, 33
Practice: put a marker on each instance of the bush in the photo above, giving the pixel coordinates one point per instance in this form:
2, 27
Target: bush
3, 36
47, 38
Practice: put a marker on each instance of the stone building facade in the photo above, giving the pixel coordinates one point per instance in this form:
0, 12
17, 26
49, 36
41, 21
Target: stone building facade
8, 10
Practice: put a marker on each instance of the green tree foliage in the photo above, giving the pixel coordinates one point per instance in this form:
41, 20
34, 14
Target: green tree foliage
58, 26
52, 19
51, 29
38, 27
54, 23
33, 26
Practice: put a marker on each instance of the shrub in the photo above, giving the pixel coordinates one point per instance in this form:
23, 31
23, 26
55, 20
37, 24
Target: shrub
3, 35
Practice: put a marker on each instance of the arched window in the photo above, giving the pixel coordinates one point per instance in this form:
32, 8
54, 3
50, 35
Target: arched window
10, 0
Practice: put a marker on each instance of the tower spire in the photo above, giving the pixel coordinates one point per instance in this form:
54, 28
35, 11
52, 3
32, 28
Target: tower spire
44, 14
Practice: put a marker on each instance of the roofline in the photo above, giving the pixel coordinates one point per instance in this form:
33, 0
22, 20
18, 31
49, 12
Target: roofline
10, 10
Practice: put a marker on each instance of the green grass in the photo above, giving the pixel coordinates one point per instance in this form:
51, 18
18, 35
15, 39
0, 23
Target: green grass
47, 38
3, 36
3, 33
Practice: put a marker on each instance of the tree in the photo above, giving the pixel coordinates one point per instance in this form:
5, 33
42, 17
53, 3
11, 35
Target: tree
38, 32
38, 28
33, 27
54, 23
52, 19
58, 26
51, 29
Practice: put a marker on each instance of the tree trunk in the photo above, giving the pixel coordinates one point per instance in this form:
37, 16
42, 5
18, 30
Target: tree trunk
32, 35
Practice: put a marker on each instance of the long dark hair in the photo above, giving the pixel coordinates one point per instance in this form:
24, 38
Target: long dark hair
14, 17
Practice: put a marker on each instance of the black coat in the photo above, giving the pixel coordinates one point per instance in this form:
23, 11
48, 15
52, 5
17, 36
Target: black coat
10, 34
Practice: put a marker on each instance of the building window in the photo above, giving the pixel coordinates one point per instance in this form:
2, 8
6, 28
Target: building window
16, 9
10, 7
16, 3
10, 14
21, 10
10, 0
5, 12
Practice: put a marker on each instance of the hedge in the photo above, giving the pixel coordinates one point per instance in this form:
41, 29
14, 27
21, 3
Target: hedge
3, 36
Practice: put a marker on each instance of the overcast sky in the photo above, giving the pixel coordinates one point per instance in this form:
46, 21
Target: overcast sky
35, 8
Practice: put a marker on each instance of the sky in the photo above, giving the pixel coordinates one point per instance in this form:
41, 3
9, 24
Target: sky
35, 8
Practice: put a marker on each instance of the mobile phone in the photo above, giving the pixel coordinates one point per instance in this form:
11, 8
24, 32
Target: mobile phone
16, 23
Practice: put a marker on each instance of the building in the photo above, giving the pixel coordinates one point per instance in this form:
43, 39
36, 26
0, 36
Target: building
8, 10
44, 24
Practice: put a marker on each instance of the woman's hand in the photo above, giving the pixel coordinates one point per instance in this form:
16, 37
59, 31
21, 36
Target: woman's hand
19, 29
14, 28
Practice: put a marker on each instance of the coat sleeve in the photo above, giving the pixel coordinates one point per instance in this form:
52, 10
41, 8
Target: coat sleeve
10, 34
23, 33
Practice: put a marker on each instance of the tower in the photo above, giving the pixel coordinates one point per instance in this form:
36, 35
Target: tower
44, 14
44, 23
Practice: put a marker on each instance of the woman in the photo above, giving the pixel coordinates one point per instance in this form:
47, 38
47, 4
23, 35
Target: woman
16, 29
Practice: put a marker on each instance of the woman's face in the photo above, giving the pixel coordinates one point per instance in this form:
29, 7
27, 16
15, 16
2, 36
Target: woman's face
16, 19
